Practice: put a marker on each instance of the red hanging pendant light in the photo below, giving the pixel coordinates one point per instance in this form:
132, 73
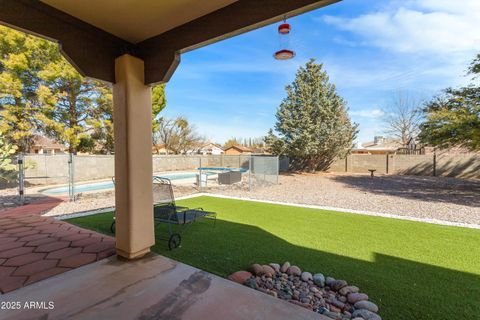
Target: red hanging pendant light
284, 53
284, 28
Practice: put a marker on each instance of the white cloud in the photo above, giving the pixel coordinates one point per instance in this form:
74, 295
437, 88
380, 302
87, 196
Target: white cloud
447, 5
418, 26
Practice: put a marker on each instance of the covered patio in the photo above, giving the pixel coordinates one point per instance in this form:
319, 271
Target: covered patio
154, 287
133, 45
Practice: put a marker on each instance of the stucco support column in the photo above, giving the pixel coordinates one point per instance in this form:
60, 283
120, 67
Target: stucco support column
132, 111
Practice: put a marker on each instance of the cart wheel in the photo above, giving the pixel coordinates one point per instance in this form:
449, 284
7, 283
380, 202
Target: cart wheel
174, 241
112, 227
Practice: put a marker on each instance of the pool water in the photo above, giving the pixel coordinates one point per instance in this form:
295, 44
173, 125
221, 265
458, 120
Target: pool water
221, 169
98, 186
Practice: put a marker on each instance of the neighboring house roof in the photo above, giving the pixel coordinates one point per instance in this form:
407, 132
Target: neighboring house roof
208, 147
240, 148
388, 145
46, 143
211, 145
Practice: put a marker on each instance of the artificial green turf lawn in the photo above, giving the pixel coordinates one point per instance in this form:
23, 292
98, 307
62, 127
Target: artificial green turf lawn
411, 270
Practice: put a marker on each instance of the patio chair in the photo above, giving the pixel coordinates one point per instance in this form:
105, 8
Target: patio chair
166, 211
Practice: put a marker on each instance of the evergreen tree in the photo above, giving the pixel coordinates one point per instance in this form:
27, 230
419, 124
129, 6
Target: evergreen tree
101, 140
22, 57
232, 142
453, 119
312, 122
8, 170
159, 102
72, 105
41, 93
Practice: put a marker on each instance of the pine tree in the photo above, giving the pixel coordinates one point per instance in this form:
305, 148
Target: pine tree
312, 122
159, 102
21, 58
453, 119
41, 93
8, 171
72, 104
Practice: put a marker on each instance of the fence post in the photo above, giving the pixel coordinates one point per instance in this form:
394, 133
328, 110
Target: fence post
249, 173
278, 167
348, 163
71, 178
386, 168
434, 163
21, 178
46, 168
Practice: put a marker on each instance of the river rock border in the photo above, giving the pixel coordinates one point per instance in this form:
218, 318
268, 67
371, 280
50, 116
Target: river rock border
333, 298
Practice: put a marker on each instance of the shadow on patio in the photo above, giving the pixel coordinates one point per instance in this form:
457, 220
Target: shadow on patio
33, 248
36, 204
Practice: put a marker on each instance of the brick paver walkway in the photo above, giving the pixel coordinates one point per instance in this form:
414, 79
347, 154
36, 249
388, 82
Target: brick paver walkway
33, 248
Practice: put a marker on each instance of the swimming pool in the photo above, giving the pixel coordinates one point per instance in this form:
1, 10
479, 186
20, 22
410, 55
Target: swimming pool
222, 169
106, 185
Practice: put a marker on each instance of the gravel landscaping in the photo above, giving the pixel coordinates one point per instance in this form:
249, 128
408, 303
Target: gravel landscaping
441, 198
325, 295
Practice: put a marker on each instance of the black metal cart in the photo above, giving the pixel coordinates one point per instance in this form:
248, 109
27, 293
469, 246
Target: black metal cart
166, 211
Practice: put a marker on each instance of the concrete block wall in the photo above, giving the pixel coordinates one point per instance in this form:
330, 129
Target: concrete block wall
412, 164
458, 166
94, 167
358, 163
339, 165
172, 163
48, 169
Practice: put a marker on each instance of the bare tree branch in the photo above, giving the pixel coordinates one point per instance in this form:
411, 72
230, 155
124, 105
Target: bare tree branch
178, 136
403, 117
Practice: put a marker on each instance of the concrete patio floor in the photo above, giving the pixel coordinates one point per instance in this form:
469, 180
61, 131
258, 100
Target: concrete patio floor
154, 287
33, 248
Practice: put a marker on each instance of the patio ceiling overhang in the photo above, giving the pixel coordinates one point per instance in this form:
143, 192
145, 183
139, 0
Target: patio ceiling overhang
93, 33
134, 44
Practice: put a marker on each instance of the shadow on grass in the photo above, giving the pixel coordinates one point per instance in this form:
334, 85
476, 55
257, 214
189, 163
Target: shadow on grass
403, 289
430, 189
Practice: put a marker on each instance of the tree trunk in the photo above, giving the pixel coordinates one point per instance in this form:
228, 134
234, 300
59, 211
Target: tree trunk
72, 121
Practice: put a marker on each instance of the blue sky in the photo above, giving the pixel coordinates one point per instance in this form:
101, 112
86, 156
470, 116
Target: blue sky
371, 50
